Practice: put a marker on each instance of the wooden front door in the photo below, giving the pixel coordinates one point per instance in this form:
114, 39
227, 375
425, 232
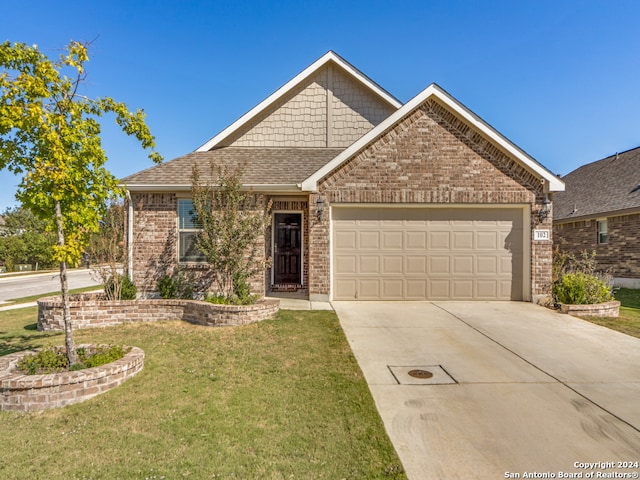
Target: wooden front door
287, 254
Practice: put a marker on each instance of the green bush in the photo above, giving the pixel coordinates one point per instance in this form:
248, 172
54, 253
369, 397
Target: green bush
47, 360
178, 286
167, 287
234, 300
101, 355
128, 290
581, 289
54, 360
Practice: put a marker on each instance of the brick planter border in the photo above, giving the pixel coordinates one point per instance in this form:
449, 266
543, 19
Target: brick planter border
92, 310
24, 393
607, 309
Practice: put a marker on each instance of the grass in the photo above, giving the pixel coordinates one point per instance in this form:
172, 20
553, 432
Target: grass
282, 398
629, 320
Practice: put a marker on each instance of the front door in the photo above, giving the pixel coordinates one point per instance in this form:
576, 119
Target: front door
287, 248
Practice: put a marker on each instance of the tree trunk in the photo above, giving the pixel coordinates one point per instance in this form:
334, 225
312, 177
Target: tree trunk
72, 356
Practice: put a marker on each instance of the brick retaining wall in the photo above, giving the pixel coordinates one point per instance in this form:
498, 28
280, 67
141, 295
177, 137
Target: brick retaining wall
23, 393
607, 309
92, 310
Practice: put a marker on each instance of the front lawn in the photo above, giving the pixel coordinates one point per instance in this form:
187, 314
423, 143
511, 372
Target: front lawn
629, 320
282, 398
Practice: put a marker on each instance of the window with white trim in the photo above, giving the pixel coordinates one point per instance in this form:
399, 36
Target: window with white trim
603, 231
188, 229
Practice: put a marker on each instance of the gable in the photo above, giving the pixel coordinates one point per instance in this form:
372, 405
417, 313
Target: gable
431, 156
329, 109
465, 122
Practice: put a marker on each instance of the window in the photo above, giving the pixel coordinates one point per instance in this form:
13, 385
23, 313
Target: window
603, 234
188, 228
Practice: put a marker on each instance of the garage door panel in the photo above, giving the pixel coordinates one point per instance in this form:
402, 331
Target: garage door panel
369, 264
486, 289
416, 240
428, 253
393, 289
347, 288
369, 289
415, 264
463, 265
416, 289
346, 240
369, 240
462, 240
439, 289
439, 240
392, 240
462, 289
393, 264
439, 265
487, 265
486, 241
506, 265
346, 264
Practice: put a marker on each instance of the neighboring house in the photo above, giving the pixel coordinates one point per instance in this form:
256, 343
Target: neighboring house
371, 199
600, 211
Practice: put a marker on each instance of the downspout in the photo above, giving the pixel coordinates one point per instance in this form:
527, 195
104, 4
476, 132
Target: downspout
129, 236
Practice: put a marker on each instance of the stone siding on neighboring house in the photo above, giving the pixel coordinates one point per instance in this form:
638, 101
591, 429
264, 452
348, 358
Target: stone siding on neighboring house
620, 256
430, 157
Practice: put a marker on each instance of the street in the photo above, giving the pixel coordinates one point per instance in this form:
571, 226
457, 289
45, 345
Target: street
20, 286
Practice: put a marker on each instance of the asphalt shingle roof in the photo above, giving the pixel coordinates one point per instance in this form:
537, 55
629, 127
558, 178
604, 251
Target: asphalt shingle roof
260, 166
608, 185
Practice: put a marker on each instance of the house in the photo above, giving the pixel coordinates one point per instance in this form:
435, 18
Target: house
371, 199
600, 211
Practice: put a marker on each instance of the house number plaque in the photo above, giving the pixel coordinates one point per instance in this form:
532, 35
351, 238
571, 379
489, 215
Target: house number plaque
541, 235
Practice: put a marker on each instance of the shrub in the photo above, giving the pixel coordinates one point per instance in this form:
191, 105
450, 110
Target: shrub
54, 359
582, 289
47, 360
122, 289
167, 287
233, 300
101, 354
180, 285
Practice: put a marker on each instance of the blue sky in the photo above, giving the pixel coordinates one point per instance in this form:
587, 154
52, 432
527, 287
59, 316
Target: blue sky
558, 78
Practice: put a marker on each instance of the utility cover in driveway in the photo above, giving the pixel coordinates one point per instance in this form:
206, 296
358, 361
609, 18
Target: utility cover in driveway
460, 253
421, 375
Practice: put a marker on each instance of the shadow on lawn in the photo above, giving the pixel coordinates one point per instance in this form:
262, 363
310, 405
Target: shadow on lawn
18, 343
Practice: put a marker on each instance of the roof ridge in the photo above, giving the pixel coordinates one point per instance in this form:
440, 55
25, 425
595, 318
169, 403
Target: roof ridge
314, 67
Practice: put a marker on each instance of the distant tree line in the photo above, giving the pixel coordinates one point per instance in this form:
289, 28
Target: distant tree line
25, 239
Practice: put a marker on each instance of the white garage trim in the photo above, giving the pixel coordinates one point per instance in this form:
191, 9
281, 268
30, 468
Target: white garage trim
511, 280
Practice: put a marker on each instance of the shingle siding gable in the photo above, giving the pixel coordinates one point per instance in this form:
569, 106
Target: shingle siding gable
330, 109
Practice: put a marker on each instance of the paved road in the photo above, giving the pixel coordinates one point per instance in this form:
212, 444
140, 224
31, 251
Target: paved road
41, 283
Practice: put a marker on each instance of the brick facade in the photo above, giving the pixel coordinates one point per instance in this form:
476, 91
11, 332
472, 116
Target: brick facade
620, 256
430, 157
155, 245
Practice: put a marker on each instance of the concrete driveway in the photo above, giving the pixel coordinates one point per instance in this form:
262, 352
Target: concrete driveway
530, 392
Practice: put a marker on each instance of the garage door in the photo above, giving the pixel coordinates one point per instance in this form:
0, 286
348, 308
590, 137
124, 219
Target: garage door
427, 254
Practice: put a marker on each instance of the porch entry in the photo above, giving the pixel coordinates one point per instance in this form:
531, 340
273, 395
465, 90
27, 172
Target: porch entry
287, 248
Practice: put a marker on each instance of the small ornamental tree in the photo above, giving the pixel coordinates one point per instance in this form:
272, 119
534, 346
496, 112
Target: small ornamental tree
232, 221
106, 250
50, 135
